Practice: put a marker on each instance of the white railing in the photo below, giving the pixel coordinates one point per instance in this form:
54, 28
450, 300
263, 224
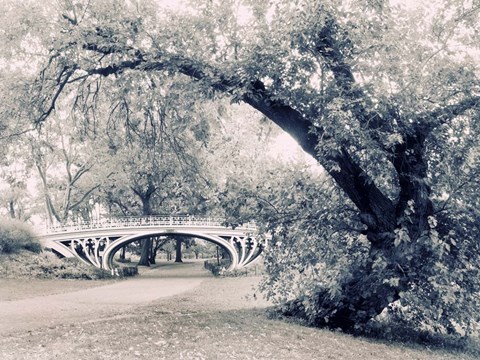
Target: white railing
145, 221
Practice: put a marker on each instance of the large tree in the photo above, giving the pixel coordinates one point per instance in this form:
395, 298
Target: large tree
385, 98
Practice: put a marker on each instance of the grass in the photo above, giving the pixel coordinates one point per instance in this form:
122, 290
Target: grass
17, 289
221, 319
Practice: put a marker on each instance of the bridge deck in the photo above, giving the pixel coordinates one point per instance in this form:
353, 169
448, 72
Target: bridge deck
145, 221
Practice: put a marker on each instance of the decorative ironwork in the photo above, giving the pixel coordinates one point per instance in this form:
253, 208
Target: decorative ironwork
142, 221
96, 242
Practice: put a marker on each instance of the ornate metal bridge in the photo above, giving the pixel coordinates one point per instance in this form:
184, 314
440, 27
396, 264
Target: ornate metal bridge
96, 242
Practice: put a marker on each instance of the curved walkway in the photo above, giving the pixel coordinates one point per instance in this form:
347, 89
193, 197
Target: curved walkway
51, 310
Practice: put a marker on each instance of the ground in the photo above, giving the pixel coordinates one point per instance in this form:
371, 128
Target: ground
171, 312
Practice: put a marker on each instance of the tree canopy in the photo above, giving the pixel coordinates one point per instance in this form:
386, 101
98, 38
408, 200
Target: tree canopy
385, 97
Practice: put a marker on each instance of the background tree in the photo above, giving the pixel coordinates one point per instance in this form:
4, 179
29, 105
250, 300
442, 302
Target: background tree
196, 249
155, 171
178, 250
182, 241
169, 248
15, 198
69, 173
158, 242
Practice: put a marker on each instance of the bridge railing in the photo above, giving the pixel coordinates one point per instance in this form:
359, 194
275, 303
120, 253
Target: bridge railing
145, 221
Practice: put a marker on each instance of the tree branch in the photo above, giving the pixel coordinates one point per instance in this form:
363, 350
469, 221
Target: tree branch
448, 112
66, 73
350, 176
329, 45
82, 199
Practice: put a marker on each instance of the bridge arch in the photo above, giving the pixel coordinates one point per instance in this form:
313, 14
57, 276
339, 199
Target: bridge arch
110, 252
95, 243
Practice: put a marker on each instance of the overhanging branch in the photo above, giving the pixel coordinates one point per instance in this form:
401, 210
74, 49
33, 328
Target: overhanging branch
351, 177
329, 45
446, 113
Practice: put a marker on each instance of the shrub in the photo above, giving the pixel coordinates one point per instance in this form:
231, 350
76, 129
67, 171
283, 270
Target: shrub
214, 268
16, 236
128, 271
47, 265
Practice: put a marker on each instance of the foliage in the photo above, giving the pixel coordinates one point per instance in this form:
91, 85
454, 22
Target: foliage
69, 166
316, 248
16, 236
14, 196
46, 265
316, 251
213, 268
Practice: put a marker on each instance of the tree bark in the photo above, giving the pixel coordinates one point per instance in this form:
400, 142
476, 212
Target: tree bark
11, 209
146, 210
153, 251
412, 169
145, 254
178, 250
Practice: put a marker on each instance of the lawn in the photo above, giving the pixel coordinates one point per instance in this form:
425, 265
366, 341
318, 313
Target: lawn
17, 289
221, 319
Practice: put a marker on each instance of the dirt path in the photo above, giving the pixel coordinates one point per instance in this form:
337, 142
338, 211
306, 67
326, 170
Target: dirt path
39, 311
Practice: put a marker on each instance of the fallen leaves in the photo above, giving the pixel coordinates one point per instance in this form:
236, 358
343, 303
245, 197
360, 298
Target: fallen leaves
204, 323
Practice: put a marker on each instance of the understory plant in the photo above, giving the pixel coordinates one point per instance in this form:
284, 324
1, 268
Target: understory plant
318, 263
16, 236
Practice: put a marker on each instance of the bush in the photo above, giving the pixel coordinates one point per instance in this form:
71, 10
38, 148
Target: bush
128, 271
47, 265
214, 268
67, 268
220, 270
16, 236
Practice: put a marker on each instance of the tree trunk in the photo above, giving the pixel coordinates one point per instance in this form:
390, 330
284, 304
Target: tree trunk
122, 252
153, 252
392, 266
145, 254
371, 287
147, 244
178, 251
11, 207
412, 168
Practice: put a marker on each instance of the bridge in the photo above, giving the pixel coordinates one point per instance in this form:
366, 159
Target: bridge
96, 242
